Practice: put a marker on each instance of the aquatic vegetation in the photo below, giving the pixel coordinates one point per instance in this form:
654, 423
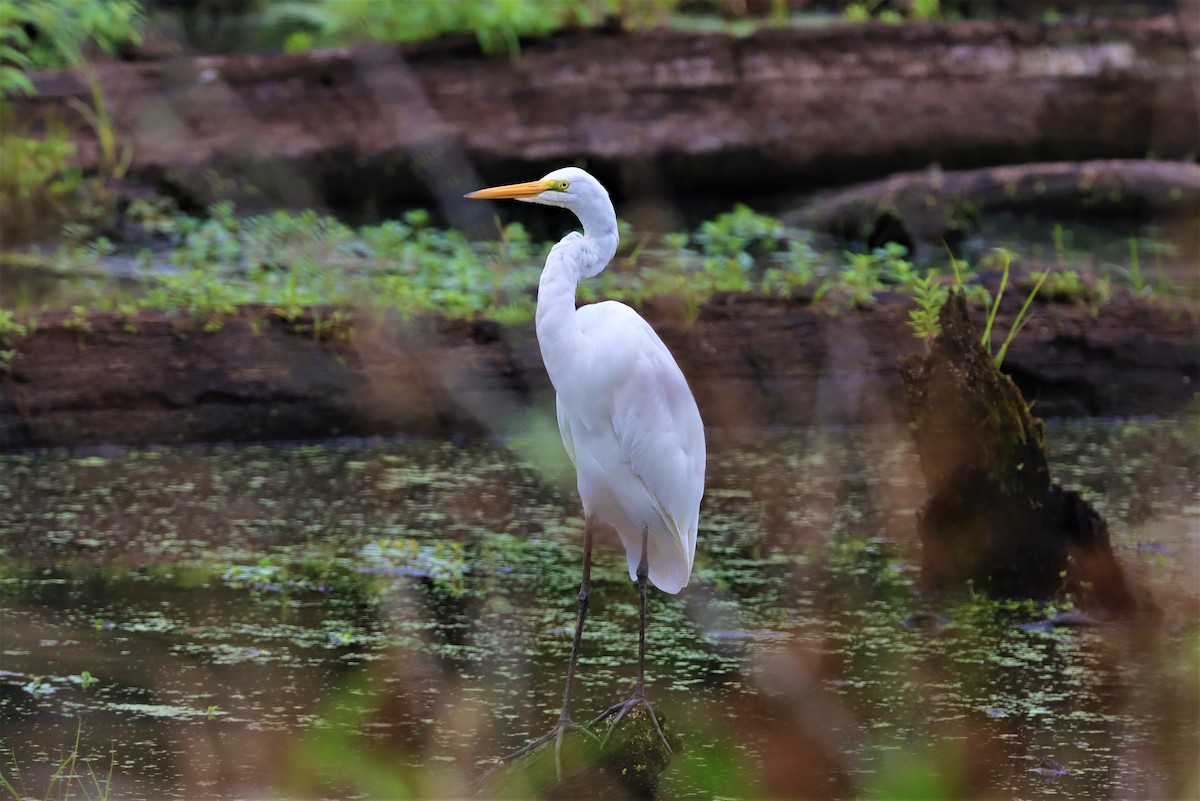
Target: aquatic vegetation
268, 577
891, 11
37, 178
740, 230
40, 186
84, 679
442, 562
1006, 262
294, 265
10, 329
68, 777
929, 296
497, 26
66, 29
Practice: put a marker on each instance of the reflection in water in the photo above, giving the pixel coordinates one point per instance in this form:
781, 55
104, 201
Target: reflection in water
384, 618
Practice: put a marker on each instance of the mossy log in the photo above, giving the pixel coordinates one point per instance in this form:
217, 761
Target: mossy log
628, 767
994, 520
933, 206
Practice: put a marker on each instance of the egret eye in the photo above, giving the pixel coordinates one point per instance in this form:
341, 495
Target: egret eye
562, 186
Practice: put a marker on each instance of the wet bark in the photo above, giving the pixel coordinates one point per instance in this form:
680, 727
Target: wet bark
995, 521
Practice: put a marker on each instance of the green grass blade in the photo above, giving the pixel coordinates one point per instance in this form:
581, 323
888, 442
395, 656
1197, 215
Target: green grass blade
1020, 321
991, 319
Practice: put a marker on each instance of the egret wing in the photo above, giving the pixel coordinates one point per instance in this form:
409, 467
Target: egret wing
564, 430
659, 434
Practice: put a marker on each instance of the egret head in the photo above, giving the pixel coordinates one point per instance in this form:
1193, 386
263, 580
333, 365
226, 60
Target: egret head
568, 187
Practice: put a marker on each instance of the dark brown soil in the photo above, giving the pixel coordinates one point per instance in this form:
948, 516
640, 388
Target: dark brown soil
751, 362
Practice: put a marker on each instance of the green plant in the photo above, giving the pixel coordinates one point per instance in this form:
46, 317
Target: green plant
926, 9
738, 231
929, 295
497, 25
335, 326
1138, 284
865, 10
444, 563
10, 329
39, 185
116, 154
867, 273
78, 321
1065, 284
1019, 320
1006, 262
894, 267
67, 779
195, 293
66, 30
84, 679
37, 179
14, 61
801, 264
728, 273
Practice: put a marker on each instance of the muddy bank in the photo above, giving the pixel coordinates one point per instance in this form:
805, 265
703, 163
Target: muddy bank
658, 116
751, 362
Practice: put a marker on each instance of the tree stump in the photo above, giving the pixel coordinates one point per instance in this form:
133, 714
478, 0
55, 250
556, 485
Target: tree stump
629, 767
994, 520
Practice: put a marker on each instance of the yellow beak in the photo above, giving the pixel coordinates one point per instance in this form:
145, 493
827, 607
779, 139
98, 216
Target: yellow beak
527, 189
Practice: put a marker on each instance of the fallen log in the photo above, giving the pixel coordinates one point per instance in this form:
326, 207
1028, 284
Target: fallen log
1024, 9
932, 206
751, 362
658, 114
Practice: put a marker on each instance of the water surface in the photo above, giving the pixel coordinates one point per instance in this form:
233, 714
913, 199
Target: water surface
381, 619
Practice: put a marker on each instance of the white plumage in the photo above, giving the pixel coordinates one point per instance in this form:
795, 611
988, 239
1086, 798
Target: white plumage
634, 433
627, 418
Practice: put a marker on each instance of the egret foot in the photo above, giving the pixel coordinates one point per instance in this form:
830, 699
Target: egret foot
621, 709
564, 725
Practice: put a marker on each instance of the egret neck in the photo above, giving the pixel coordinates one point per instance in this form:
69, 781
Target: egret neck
574, 258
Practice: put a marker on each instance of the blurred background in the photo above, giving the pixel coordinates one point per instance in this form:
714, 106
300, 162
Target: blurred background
284, 512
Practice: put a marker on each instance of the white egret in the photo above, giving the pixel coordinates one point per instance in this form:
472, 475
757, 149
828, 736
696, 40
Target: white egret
626, 415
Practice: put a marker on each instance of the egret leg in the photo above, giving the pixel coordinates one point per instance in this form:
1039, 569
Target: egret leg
639, 690
564, 719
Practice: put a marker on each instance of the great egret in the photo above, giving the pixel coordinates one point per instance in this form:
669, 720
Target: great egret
626, 415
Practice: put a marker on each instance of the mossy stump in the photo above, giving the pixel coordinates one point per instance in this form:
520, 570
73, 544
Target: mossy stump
628, 767
994, 520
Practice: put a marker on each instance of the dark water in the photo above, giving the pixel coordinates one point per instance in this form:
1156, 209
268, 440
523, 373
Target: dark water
382, 619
